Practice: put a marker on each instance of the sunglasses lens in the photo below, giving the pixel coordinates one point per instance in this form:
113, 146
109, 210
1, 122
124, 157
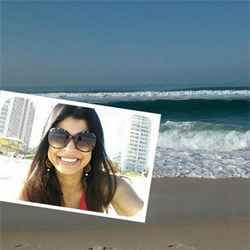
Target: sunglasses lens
58, 138
85, 142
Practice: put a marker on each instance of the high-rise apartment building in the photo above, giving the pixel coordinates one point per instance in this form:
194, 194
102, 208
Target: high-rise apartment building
16, 120
133, 156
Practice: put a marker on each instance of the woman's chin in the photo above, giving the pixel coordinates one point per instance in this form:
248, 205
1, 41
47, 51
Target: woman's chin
68, 170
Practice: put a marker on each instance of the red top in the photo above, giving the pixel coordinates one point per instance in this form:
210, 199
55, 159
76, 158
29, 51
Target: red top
83, 205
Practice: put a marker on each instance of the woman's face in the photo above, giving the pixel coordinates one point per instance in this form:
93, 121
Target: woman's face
69, 160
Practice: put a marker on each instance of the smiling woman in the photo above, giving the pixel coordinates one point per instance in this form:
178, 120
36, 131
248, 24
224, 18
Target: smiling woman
71, 167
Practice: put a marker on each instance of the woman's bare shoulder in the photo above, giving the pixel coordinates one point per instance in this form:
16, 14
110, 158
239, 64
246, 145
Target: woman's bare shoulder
126, 201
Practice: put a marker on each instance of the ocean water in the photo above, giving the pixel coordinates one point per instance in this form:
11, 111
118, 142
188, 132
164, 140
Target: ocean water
204, 132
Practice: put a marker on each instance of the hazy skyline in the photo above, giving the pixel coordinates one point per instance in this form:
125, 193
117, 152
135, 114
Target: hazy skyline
54, 43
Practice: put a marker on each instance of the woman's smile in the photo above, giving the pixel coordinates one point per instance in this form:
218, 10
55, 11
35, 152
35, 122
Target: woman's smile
69, 160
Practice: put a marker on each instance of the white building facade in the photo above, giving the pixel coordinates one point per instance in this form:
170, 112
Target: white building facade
134, 135
16, 119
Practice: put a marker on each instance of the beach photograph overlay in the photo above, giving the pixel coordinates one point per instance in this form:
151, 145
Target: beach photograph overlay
130, 143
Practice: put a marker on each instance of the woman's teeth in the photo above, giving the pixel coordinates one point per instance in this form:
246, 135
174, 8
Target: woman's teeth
68, 159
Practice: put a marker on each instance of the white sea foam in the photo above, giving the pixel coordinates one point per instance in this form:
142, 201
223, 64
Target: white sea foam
196, 149
183, 136
151, 95
200, 164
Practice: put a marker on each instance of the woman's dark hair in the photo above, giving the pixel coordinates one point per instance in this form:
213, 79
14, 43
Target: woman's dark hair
101, 185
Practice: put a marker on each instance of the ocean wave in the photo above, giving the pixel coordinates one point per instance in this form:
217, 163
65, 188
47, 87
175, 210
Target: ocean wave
215, 106
105, 97
187, 136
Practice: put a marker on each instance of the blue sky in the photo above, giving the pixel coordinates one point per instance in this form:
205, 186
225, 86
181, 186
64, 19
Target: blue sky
76, 43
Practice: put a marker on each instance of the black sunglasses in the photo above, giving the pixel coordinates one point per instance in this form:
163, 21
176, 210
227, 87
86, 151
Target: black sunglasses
59, 138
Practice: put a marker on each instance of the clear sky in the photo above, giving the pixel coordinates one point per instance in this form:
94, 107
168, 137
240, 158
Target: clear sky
70, 43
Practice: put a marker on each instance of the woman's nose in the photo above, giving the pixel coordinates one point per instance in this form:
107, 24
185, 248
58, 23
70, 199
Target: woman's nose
70, 146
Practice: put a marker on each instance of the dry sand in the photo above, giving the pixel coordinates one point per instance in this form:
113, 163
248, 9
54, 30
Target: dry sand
183, 213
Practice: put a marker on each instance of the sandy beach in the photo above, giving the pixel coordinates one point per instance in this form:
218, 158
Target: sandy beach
183, 213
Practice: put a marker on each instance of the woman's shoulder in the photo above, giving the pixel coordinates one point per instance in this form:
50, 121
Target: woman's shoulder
126, 201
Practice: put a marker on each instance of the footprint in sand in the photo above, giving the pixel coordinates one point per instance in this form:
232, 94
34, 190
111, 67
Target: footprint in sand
102, 248
178, 246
